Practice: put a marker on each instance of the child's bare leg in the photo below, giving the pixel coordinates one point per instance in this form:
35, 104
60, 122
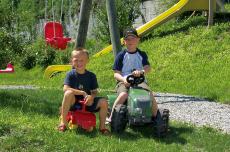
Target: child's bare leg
122, 97
154, 105
103, 105
68, 101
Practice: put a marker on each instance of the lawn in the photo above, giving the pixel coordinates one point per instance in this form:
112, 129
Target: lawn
186, 59
28, 121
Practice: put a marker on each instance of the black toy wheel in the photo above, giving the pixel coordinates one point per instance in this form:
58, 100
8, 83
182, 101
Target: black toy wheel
162, 122
119, 118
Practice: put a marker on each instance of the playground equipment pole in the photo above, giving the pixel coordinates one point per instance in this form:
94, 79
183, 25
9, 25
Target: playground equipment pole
83, 23
113, 28
210, 13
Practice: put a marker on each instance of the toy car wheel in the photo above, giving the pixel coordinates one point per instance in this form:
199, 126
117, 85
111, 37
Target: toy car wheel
71, 125
119, 118
90, 129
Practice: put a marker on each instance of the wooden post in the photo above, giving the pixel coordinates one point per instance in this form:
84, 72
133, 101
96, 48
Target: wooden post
113, 28
83, 23
210, 13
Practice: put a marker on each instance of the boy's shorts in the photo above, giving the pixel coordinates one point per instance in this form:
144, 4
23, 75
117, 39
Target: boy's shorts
122, 88
92, 108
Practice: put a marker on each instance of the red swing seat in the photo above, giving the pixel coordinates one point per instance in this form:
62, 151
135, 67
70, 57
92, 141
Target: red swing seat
54, 35
9, 69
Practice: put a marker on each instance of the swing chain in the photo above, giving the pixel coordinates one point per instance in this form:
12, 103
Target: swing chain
61, 11
53, 19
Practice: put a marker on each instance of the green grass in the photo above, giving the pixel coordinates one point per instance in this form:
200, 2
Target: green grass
186, 57
34, 77
28, 119
194, 62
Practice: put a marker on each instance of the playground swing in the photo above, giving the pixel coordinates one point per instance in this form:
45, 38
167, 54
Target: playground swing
9, 69
53, 32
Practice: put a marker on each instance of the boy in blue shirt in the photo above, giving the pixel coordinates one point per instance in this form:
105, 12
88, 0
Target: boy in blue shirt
82, 84
130, 61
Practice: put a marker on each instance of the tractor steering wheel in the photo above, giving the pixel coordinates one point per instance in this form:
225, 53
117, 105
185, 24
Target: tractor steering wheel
134, 81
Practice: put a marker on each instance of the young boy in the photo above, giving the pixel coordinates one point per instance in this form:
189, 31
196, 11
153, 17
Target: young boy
82, 84
130, 61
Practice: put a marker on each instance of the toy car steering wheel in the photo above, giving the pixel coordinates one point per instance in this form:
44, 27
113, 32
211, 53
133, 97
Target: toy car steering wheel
135, 80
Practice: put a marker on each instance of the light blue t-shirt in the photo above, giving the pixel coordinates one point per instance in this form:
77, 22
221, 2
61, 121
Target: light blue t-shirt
127, 62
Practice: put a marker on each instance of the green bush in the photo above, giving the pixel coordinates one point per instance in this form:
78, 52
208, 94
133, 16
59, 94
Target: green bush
4, 56
7, 17
11, 47
28, 61
45, 54
63, 56
65, 59
47, 57
4, 59
39, 53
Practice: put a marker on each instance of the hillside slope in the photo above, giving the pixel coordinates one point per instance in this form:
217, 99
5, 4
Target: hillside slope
187, 58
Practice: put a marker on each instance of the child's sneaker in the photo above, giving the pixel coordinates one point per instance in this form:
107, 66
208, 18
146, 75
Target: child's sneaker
107, 121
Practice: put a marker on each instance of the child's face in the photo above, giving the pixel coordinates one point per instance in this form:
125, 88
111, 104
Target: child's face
131, 42
79, 61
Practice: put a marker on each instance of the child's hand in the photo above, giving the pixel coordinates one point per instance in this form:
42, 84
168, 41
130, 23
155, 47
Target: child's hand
137, 73
89, 100
126, 83
84, 94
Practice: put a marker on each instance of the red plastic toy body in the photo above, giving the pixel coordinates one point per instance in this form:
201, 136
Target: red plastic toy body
54, 35
82, 118
9, 69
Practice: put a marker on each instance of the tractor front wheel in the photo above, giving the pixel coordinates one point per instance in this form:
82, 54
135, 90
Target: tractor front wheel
119, 118
162, 122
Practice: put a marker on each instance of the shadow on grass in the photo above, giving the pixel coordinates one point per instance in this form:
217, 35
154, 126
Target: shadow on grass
184, 24
177, 98
174, 134
17, 137
128, 135
80, 131
182, 27
5, 129
31, 101
221, 17
164, 99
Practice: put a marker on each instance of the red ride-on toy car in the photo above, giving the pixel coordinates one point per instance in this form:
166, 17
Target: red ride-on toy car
81, 118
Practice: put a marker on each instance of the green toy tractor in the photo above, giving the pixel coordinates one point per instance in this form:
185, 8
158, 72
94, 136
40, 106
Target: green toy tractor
137, 110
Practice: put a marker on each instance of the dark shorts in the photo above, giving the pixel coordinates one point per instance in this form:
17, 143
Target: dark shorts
122, 88
92, 108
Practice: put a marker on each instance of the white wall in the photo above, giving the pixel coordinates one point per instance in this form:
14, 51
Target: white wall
149, 9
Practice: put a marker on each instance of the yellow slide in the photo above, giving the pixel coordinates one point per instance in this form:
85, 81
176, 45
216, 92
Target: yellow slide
181, 6
54, 69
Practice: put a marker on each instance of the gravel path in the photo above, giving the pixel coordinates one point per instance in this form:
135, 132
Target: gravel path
12, 87
196, 111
